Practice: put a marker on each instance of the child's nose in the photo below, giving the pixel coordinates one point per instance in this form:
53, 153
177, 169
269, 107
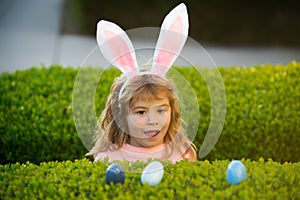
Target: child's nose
152, 118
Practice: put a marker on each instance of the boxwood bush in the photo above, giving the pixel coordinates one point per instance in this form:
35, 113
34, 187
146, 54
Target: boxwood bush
36, 116
263, 104
83, 179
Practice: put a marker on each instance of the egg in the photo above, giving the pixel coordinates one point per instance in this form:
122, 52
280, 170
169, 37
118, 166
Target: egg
115, 174
236, 172
153, 173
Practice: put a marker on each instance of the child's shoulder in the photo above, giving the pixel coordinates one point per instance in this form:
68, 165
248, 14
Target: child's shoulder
110, 154
131, 153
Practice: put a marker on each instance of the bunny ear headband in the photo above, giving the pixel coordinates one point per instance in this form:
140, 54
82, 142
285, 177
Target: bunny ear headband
117, 48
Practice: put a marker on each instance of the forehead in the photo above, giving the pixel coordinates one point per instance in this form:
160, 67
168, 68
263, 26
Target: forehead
150, 93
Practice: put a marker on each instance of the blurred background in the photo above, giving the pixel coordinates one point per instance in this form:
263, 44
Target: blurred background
244, 32
222, 22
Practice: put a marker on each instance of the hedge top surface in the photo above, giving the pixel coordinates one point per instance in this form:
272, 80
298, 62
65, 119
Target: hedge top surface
83, 179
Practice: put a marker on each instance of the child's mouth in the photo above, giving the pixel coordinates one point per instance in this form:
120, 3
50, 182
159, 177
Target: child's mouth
152, 134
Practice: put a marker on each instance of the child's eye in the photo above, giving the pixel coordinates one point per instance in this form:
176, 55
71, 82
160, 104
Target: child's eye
161, 110
141, 112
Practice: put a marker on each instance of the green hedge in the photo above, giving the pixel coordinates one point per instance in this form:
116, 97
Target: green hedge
263, 112
83, 179
263, 103
36, 116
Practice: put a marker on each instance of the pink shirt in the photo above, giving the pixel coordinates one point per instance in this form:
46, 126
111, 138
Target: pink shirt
132, 153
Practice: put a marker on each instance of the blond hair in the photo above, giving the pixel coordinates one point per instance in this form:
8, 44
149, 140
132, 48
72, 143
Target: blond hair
112, 129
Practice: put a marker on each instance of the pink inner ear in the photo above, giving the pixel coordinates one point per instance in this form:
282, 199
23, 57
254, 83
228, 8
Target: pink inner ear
171, 43
177, 25
120, 51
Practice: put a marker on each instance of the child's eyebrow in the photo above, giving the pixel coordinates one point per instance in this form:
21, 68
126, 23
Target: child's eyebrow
139, 107
164, 105
144, 107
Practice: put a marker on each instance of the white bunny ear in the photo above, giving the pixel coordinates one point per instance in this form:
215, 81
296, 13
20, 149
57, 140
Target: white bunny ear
172, 37
117, 48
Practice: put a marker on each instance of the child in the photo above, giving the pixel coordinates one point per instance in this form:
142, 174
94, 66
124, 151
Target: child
142, 119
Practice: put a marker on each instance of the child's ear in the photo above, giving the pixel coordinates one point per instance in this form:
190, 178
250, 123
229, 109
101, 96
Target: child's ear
172, 37
117, 48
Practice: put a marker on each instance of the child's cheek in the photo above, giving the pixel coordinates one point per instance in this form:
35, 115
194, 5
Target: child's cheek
162, 118
136, 121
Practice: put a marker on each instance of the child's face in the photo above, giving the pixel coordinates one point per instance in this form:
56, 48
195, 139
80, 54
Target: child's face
148, 122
